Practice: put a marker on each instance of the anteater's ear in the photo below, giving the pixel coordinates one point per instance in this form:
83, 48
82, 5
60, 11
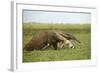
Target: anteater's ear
72, 47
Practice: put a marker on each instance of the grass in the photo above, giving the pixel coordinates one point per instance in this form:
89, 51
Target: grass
80, 52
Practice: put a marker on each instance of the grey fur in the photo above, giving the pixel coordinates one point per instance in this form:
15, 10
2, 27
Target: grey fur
41, 40
68, 36
46, 39
68, 39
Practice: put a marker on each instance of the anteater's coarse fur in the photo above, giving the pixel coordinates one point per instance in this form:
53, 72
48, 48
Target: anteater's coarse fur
68, 36
39, 41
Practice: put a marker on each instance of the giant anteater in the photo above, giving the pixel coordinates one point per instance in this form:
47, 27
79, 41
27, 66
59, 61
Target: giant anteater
45, 39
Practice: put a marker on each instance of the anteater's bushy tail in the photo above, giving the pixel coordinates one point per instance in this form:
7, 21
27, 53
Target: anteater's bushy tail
69, 36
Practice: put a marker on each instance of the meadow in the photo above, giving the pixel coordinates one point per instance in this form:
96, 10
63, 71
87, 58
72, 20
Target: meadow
81, 51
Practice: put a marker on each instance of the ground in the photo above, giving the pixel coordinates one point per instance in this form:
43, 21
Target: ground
80, 52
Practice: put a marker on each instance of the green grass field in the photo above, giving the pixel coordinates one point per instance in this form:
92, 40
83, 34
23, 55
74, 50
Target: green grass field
80, 52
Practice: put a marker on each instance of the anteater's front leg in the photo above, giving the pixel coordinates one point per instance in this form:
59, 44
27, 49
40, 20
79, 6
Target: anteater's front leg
55, 46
